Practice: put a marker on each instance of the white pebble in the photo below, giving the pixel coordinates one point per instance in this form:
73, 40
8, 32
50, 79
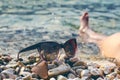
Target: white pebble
85, 73
60, 77
52, 79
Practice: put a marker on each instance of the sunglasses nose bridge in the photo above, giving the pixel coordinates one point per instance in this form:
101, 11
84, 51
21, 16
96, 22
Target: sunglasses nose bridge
62, 45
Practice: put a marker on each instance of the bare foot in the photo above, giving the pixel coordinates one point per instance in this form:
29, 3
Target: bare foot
86, 33
84, 22
84, 19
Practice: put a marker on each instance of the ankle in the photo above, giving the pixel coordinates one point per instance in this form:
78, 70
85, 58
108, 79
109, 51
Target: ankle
83, 29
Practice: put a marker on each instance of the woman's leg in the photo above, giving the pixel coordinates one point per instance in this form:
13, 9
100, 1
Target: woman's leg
109, 45
86, 33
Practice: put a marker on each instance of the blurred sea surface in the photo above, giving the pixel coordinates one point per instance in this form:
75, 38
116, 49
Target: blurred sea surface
26, 22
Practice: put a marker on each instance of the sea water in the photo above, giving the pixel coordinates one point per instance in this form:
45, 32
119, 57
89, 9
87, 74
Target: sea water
25, 22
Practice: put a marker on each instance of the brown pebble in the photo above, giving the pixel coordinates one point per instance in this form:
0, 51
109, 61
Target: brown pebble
41, 69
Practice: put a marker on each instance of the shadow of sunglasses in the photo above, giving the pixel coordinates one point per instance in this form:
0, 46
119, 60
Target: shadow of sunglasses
49, 50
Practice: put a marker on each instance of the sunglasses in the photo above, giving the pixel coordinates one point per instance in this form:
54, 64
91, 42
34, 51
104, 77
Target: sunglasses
49, 50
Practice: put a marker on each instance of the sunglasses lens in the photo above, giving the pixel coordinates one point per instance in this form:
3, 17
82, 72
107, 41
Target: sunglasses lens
70, 47
49, 51
50, 56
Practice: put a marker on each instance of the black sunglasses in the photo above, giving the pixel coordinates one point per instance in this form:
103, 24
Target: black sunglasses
49, 50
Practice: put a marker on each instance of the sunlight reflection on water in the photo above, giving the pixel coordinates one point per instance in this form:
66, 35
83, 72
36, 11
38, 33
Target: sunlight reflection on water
19, 20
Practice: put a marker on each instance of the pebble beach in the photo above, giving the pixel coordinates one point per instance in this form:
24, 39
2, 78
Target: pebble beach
24, 23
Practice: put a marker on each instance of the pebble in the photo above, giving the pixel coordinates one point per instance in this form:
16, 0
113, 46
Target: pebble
107, 69
96, 71
41, 70
52, 79
85, 73
78, 71
9, 71
60, 77
112, 75
71, 76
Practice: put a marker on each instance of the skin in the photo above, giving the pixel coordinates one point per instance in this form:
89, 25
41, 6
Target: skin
109, 45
